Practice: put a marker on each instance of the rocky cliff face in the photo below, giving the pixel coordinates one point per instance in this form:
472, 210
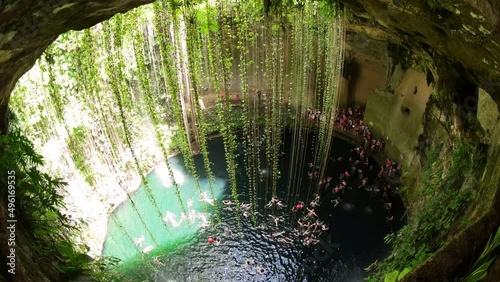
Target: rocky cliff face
463, 35
28, 27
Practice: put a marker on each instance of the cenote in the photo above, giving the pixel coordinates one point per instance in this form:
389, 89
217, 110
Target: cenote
355, 238
252, 140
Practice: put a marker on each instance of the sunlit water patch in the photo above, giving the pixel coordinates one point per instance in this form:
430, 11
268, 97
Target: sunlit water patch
172, 227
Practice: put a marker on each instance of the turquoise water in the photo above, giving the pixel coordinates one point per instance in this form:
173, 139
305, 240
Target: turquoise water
179, 228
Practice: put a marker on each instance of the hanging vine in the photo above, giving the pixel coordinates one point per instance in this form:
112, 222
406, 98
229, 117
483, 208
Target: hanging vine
145, 85
167, 30
114, 69
194, 58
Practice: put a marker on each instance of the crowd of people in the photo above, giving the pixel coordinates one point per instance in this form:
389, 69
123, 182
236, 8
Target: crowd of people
310, 227
358, 165
359, 174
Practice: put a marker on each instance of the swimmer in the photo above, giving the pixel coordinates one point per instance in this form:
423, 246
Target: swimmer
324, 227
307, 241
204, 198
249, 262
217, 241
246, 214
302, 224
228, 231
314, 203
227, 202
139, 241
311, 213
315, 226
147, 249
170, 217
336, 202
299, 206
245, 206
278, 234
276, 219
280, 204
260, 270
270, 204
157, 261
189, 203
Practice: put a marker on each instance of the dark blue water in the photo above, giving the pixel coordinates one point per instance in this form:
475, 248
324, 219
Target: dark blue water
357, 226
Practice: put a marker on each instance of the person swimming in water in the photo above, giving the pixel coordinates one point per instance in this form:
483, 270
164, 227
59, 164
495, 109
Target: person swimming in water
217, 241
298, 207
270, 204
285, 240
280, 205
189, 203
158, 262
228, 231
227, 202
311, 213
307, 241
276, 219
139, 241
278, 234
301, 224
260, 270
204, 198
249, 262
170, 217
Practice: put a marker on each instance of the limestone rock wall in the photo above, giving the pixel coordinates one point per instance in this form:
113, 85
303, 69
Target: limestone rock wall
398, 116
465, 32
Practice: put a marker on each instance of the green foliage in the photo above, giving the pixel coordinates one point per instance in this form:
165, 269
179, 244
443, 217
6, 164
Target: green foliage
479, 270
105, 269
444, 192
76, 144
206, 21
38, 204
403, 273
391, 276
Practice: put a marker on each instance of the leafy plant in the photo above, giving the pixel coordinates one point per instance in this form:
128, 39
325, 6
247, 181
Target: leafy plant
445, 190
479, 270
